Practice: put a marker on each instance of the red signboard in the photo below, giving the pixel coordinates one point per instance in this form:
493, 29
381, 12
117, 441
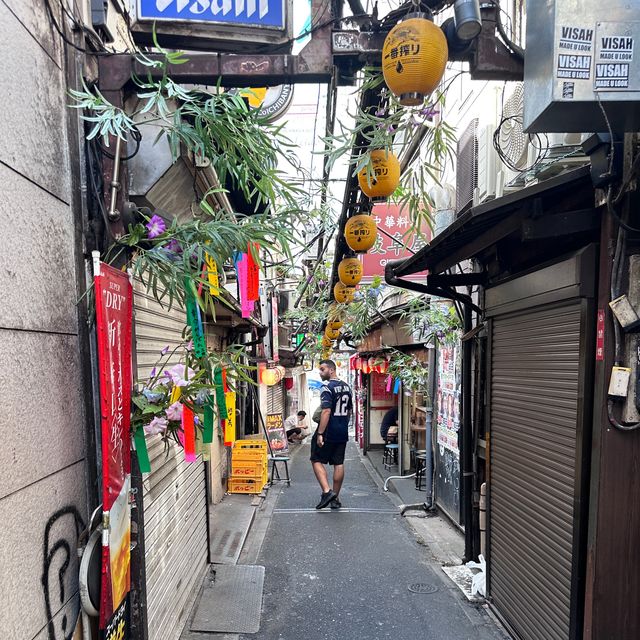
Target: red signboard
379, 387
114, 304
392, 242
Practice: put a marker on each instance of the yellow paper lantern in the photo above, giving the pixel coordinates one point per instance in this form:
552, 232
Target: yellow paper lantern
414, 57
332, 334
327, 342
336, 325
385, 178
350, 271
360, 233
343, 294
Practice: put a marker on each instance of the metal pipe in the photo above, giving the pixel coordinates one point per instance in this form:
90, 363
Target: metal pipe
466, 453
113, 213
384, 486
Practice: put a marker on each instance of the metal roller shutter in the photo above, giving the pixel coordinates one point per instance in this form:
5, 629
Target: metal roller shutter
275, 399
174, 497
535, 381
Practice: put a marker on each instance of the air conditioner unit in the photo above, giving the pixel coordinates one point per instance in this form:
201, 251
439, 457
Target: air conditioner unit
487, 166
467, 166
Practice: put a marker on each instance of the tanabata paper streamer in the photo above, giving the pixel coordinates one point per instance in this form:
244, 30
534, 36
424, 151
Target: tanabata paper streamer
141, 450
389, 382
230, 422
189, 429
207, 434
396, 386
194, 318
175, 394
212, 275
253, 273
220, 399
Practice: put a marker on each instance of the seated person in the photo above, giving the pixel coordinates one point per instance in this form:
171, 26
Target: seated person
296, 427
389, 420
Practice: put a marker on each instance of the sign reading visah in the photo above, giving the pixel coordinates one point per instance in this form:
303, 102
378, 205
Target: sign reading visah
229, 24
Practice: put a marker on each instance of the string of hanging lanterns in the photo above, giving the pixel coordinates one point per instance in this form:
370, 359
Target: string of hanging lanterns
414, 57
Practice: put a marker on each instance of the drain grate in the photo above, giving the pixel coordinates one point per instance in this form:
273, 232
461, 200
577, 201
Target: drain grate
422, 587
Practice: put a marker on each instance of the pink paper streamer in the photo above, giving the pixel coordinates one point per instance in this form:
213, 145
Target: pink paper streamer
389, 381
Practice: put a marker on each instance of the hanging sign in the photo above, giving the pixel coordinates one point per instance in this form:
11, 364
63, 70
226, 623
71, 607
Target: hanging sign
114, 305
248, 13
230, 421
274, 328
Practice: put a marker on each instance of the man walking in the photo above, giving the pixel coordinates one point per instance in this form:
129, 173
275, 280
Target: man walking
329, 442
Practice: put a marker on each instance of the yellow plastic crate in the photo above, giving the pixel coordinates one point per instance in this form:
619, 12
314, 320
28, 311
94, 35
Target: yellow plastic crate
246, 485
250, 444
249, 454
248, 468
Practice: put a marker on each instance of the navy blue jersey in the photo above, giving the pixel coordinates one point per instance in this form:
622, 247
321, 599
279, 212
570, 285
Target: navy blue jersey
336, 395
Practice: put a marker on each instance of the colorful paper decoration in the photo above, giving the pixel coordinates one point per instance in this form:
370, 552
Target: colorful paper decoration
396, 386
212, 275
253, 273
230, 422
142, 451
207, 433
194, 318
189, 430
220, 399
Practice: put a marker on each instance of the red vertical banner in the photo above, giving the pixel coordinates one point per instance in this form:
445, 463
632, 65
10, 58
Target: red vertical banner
114, 308
253, 273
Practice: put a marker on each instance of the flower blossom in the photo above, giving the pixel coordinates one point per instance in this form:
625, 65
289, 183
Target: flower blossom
174, 411
164, 351
157, 425
180, 375
152, 396
156, 227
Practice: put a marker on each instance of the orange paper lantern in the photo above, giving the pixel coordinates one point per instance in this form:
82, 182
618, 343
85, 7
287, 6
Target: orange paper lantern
332, 334
350, 271
385, 178
360, 232
272, 375
343, 294
414, 57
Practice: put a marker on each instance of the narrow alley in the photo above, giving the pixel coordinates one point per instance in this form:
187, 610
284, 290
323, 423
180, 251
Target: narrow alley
347, 574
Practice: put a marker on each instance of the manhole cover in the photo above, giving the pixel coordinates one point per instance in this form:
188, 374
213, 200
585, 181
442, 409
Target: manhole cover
422, 587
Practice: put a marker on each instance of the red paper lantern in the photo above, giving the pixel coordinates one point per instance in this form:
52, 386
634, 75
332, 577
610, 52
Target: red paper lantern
288, 384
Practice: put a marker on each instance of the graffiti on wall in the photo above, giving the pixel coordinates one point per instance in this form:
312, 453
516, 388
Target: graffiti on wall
58, 553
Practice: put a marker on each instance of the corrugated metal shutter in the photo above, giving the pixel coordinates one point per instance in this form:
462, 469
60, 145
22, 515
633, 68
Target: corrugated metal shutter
275, 399
174, 499
535, 377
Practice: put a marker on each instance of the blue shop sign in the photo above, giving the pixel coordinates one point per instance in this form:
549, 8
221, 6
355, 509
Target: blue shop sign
246, 13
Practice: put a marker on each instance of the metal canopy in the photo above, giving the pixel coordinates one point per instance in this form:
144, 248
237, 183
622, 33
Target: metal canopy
482, 226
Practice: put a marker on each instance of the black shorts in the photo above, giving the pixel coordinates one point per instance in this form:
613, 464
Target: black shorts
328, 453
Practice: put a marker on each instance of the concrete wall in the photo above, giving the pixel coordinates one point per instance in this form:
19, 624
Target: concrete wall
43, 503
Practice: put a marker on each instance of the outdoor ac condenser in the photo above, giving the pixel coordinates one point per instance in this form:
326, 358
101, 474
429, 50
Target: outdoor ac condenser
579, 52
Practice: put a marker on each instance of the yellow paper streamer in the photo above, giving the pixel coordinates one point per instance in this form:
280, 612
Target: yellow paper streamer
175, 394
230, 423
212, 275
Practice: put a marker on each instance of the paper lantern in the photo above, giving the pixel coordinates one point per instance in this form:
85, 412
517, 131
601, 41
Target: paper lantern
365, 366
384, 366
414, 57
272, 375
288, 384
332, 334
343, 294
385, 178
360, 232
336, 325
357, 363
350, 271
327, 342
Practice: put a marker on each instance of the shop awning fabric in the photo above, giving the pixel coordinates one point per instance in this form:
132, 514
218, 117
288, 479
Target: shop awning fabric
541, 213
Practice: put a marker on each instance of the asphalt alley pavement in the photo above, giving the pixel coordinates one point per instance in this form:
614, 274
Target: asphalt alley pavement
348, 574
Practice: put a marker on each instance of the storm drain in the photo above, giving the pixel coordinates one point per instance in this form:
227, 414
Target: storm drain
231, 600
422, 587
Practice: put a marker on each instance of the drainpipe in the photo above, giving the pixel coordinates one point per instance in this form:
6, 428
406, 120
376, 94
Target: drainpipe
466, 453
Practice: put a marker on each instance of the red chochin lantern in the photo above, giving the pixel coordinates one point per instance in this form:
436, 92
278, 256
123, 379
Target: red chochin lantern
288, 384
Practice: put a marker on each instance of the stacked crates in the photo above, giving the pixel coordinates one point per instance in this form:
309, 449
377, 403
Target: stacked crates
249, 471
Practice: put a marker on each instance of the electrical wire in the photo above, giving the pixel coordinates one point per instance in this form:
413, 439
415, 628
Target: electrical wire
137, 138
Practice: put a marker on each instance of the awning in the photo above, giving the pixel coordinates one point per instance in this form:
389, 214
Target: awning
565, 202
